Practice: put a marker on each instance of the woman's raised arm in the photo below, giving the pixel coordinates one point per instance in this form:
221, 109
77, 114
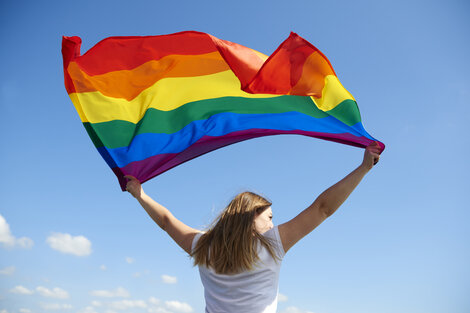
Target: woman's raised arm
328, 202
181, 233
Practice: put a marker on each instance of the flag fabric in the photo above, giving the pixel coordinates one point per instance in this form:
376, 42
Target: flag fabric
150, 103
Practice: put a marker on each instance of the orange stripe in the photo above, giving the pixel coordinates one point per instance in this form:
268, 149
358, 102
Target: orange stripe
128, 84
312, 79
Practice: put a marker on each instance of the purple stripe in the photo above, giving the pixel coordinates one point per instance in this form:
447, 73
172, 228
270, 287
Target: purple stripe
146, 169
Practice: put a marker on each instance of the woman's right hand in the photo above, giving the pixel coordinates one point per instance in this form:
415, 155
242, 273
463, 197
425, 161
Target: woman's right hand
371, 155
133, 186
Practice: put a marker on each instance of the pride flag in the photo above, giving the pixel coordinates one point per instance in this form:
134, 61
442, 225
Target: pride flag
151, 103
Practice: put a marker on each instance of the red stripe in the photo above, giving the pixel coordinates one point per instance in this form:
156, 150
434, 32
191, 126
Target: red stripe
70, 50
126, 53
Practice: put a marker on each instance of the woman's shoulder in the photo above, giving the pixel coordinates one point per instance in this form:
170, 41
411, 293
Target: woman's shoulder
275, 238
195, 239
272, 233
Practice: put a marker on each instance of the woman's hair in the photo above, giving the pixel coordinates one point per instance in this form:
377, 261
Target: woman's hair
230, 245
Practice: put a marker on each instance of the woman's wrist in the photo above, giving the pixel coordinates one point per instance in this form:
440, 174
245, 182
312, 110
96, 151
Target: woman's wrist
140, 195
365, 167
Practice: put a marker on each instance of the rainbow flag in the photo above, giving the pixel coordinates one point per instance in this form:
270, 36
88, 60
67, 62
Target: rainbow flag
151, 103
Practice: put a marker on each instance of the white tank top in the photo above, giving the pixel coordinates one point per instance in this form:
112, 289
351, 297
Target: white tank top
252, 291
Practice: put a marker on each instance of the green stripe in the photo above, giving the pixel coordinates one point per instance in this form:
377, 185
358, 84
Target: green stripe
347, 112
118, 133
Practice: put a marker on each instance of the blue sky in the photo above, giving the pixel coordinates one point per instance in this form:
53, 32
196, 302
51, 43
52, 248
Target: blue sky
71, 241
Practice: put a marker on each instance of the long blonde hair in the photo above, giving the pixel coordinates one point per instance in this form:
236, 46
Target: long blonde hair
230, 245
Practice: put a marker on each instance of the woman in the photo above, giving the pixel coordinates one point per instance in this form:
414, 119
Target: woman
240, 256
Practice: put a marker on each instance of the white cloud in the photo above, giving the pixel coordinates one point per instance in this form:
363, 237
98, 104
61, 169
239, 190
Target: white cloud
158, 310
117, 293
8, 240
281, 297
178, 306
21, 290
56, 306
66, 243
167, 279
7, 270
128, 304
130, 260
153, 300
56, 292
23, 310
88, 309
293, 309
96, 303
3, 311
156, 306
103, 267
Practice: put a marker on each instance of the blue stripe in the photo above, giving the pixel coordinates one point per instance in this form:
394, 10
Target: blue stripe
150, 144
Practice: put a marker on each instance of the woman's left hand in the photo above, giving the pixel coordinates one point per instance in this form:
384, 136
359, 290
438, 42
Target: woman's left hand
133, 186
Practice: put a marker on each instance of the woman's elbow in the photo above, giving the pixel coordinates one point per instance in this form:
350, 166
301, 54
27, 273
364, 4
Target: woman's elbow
326, 211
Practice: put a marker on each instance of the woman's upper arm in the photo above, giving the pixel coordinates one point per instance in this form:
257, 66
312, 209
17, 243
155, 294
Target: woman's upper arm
181, 233
301, 225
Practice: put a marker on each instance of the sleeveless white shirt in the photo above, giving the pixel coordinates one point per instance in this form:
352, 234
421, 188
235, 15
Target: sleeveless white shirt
252, 291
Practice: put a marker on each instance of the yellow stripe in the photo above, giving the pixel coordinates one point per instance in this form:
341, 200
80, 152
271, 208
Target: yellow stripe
333, 93
166, 94
78, 107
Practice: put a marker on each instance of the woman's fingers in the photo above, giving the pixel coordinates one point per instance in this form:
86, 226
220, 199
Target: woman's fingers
372, 154
131, 180
374, 149
376, 157
133, 185
130, 177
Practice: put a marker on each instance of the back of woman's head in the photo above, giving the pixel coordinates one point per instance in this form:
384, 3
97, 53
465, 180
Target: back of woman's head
230, 245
